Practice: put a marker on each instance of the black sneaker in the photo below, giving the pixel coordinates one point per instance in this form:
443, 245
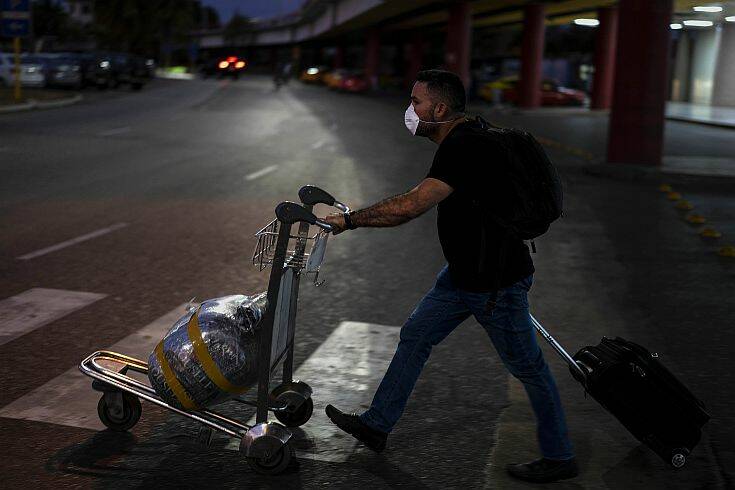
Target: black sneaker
544, 470
351, 423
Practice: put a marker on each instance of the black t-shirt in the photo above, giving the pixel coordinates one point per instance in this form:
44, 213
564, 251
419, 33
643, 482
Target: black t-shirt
468, 162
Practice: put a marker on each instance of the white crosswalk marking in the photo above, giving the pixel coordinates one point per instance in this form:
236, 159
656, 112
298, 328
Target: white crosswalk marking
261, 172
73, 241
344, 371
69, 399
36, 307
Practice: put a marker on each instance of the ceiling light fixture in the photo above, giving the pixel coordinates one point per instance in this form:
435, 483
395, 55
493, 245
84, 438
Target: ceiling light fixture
708, 9
587, 22
698, 23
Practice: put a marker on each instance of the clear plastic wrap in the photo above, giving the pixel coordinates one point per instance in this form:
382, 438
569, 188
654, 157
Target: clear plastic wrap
210, 354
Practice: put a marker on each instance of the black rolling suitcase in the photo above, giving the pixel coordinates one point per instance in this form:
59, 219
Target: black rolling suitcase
631, 383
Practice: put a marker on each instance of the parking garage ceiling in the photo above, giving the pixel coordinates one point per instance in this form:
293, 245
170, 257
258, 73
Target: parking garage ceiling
397, 15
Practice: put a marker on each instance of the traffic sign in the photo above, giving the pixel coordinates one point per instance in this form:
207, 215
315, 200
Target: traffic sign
16, 18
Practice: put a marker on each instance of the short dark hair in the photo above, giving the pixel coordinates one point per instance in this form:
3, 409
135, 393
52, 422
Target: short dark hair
446, 87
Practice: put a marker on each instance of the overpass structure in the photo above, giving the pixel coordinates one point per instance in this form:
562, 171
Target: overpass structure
632, 49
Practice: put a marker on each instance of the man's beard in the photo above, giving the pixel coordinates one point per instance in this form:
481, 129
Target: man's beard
426, 129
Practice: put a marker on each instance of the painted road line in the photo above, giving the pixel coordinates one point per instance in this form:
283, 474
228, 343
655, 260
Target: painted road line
114, 131
73, 241
318, 145
261, 172
69, 398
345, 371
36, 307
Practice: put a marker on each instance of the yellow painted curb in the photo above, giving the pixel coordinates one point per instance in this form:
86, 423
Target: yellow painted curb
673, 196
696, 219
728, 251
684, 205
665, 188
710, 233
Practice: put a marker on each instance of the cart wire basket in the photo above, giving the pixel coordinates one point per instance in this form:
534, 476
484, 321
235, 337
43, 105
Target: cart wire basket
296, 255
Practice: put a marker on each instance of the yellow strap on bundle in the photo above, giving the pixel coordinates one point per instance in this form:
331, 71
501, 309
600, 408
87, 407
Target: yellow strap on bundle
171, 380
206, 361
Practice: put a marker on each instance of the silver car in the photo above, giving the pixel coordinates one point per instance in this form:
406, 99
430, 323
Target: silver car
33, 69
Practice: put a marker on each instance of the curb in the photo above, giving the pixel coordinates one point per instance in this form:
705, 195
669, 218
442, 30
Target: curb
643, 173
174, 76
34, 104
703, 122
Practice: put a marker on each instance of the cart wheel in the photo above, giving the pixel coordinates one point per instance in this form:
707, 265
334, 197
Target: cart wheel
123, 417
275, 464
679, 457
297, 418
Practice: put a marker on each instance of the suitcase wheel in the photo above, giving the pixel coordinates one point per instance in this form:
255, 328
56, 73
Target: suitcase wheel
679, 457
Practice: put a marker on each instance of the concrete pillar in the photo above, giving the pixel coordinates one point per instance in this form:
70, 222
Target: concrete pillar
532, 56
723, 93
605, 43
372, 57
704, 63
414, 59
682, 69
636, 129
458, 45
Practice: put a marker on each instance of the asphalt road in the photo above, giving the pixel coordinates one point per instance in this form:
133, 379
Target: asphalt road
182, 174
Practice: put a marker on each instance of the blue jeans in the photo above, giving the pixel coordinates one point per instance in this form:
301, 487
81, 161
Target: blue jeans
510, 329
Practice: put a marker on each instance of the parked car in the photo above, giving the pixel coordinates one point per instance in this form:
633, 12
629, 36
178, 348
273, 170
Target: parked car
354, 82
115, 69
552, 94
333, 78
63, 70
313, 74
33, 70
7, 68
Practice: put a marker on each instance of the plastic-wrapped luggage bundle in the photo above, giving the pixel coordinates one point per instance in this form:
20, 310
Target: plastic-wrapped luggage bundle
210, 354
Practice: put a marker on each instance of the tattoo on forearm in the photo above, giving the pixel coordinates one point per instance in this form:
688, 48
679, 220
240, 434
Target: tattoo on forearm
393, 211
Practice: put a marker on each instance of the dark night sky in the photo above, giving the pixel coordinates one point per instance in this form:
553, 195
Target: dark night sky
253, 8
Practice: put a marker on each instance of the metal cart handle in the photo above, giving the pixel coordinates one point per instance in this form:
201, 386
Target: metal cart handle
311, 194
289, 212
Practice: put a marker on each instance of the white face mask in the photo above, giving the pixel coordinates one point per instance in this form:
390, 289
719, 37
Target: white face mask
412, 120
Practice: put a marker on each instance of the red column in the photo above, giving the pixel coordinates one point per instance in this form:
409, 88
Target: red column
372, 57
639, 91
532, 55
339, 57
414, 59
605, 58
459, 32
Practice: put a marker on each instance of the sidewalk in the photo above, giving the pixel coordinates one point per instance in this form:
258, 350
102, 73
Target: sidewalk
675, 111
702, 114
627, 261
36, 99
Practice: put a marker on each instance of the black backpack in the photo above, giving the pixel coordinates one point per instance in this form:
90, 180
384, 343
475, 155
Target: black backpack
535, 183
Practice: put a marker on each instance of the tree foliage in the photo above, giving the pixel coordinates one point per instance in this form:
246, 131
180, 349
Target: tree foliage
144, 26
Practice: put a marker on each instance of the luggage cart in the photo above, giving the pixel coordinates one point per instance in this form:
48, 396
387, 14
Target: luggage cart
266, 444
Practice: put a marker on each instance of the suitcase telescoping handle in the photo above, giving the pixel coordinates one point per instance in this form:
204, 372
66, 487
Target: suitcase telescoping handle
558, 348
